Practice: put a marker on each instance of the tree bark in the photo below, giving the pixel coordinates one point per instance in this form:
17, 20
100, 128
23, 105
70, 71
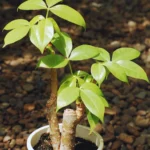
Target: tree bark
68, 130
51, 112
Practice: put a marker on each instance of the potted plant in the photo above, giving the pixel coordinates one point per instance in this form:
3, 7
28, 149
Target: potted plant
78, 86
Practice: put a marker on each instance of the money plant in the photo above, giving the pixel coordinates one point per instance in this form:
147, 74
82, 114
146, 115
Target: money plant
78, 87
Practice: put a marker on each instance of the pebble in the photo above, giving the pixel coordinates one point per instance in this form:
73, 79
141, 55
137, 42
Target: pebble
139, 141
29, 107
6, 138
126, 138
12, 143
133, 130
28, 87
20, 141
2, 131
4, 105
98, 128
110, 111
141, 95
142, 122
132, 25
17, 129
116, 145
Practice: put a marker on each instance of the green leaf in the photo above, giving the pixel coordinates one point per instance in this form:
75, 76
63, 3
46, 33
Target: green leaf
67, 96
125, 54
93, 103
63, 43
92, 87
55, 25
16, 24
103, 55
52, 61
69, 82
83, 52
133, 70
33, 5
81, 73
36, 19
42, 34
116, 70
15, 35
52, 2
98, 72
93, 120
69, 14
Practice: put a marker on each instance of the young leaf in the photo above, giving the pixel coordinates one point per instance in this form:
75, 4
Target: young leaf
98, 72
63, 43
70, 82
92, 87
103, 55
125, 54
16, 24
81, 73
36, 19
133, 70
83, 52
67, 96
33, 5
117, 71
15, 35
42, 34
69, 14
52, 61
93, 103
50, 3
93, 120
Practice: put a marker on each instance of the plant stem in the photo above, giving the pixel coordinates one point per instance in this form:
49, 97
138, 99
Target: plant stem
80, 110
47, 13
68, 130
70, 68
51, 112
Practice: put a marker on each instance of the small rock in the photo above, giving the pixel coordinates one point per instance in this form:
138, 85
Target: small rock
6, 138
108, 137
141, 112
2, 131
140, 47
99, 128
12, 143
132, 26
116, 145
133, 130
11, 111
142, 122
141, 95
139, 141
115, 44
110, 111
28, 87
4, 105
126, 138
126, 119
17, 129
20, 141
29, 107
2, 91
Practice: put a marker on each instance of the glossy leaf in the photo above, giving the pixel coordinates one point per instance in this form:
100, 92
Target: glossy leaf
81, 73
16, 35
55, 25
103, 55
93, 103
16, 24
117, 71
125, 54
52, 2
33, 5
70, 82
83, 52
52, 61
93, 120
36, 19
67, 13
98, 72
63, 43
133, 70
92, 87
42, 34
67, 96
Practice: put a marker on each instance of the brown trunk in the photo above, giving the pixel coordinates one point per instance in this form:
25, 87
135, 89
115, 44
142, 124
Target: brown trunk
80, 109
51, 112
68, 130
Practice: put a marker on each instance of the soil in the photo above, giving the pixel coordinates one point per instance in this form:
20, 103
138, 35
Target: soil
80, 144
24, 89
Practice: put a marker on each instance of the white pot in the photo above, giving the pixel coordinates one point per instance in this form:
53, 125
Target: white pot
81, 131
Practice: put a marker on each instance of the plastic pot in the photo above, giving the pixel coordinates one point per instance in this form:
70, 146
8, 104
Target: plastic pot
81, 131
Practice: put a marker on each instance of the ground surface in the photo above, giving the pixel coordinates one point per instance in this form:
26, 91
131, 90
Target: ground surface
24, 89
